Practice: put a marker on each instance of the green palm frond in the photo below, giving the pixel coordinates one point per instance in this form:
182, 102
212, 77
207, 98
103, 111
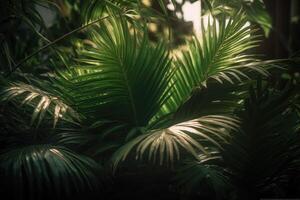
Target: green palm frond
221, 99
47, 172
41, 101
268, 143
70, 137
122, 78
92, 10
255, 10
260, 155
201, 178
132, 9
220, 54
166, 144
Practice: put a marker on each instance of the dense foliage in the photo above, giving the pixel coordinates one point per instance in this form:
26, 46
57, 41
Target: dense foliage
105, 111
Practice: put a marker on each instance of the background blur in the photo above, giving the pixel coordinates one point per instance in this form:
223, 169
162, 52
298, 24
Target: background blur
35, 23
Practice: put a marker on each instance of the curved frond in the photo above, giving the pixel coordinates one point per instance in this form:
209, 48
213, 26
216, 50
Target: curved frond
192, 136
47, 172
42, 102
219, 54
122, 78
195, 176
132, 10
268, 142
221, 99
256, 11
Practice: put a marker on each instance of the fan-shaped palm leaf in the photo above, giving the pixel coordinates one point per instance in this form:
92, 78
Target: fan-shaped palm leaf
47, 172
40, 100
167, 142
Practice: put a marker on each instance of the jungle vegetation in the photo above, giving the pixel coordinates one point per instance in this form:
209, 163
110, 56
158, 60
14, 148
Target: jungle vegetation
96, 105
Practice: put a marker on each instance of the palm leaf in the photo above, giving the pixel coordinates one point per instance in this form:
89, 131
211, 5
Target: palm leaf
40, 100
220, 54
47, 172
166, 144
221, 99
255, 10
123, 78
203, 178
258, 156
130, 9
267, 145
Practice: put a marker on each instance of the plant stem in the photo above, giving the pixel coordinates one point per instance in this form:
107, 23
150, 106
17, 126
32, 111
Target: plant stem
52, 43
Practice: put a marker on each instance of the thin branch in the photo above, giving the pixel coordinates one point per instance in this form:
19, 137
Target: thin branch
53, 42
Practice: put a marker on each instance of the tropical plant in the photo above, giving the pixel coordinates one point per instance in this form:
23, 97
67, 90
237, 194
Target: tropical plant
118, 97
262, 156
255, 11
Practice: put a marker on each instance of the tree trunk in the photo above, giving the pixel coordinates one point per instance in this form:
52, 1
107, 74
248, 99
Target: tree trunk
277, 44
